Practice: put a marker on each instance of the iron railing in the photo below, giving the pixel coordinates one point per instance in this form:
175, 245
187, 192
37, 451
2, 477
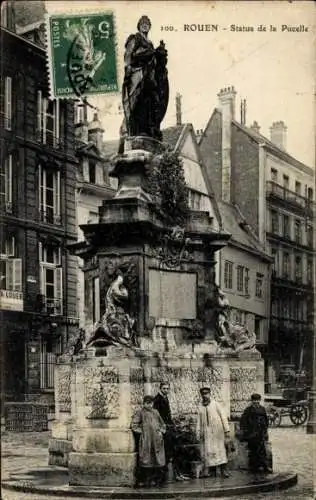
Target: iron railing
278, 191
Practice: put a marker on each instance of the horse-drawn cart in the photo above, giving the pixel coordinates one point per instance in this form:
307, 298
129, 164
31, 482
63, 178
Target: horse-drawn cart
293, 403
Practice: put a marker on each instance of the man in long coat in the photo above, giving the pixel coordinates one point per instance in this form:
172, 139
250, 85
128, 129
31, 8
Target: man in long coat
162, 405
149, 425
212, 432
254, 429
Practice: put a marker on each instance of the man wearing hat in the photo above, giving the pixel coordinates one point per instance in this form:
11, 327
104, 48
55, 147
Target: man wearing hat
212, 432
254, 429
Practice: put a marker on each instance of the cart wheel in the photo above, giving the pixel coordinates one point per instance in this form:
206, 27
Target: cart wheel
298, 414
274, 418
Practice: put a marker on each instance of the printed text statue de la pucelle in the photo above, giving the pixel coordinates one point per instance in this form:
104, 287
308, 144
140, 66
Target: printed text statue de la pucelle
145, 91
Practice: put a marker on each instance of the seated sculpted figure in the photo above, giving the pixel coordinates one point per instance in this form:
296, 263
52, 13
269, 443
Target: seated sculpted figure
231, 334
115, 326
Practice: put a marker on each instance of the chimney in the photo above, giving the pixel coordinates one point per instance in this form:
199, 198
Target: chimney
199, 134
8, 15
81, 121
278, 134
178, 108
95, 132
255, 127
243, 108
226, 98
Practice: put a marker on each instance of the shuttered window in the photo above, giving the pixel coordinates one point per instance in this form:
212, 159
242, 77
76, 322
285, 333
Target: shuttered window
51, 282
8, 102
6, 184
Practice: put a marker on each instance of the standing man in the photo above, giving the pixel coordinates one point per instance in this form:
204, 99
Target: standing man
162, 405
212, 432
254, 429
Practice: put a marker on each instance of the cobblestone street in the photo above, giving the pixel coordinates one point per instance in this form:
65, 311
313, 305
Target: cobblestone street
293, 450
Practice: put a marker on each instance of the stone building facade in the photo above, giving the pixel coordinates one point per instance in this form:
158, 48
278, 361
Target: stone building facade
275, 194
38, 220
92, 187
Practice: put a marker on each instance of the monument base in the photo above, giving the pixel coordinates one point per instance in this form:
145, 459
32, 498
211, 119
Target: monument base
101, 469
59, 450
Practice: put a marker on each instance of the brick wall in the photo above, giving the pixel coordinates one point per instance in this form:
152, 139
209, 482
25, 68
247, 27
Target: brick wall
211, 149
245, 175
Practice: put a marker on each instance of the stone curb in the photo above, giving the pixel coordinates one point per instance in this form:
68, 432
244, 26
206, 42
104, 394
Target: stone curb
279, 482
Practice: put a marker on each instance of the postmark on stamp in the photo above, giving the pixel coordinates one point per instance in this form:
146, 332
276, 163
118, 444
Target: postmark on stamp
82, 54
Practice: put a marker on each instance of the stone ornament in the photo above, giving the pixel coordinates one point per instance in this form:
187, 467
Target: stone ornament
243, 383
174, 249
63, 395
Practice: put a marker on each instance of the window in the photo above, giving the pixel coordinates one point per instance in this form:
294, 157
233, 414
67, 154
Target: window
298, 231
47, 120
243, 279
92, 172
49, 195
298, 188
286, 265
309, 236
274, 221
8, 102
310, 193
274, 175
11, 267
259, 285
246, 281
79, 113
286, 226
49, 349
309, 271
275, 255
298, 268
6, 184
51, 278
286, 182
238, 316
228, 275
194, 200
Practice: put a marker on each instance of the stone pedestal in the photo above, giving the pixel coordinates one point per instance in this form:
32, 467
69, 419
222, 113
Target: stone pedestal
106, 391
166, 271
60, 443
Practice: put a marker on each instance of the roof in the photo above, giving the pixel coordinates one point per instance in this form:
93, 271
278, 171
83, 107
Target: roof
273, 148
264, 141
171, 135
235, 224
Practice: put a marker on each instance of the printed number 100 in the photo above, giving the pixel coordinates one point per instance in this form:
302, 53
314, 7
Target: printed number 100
167, 28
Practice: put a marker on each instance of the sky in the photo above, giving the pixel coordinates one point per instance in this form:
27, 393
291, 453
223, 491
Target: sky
273, 70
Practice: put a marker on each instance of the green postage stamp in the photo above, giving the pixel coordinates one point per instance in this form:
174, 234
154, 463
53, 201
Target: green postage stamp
81, 54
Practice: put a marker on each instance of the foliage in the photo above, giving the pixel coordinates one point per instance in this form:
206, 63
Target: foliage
166, 183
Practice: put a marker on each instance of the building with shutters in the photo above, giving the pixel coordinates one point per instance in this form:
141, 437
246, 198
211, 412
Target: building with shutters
37, 216
275, 193
93, 186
